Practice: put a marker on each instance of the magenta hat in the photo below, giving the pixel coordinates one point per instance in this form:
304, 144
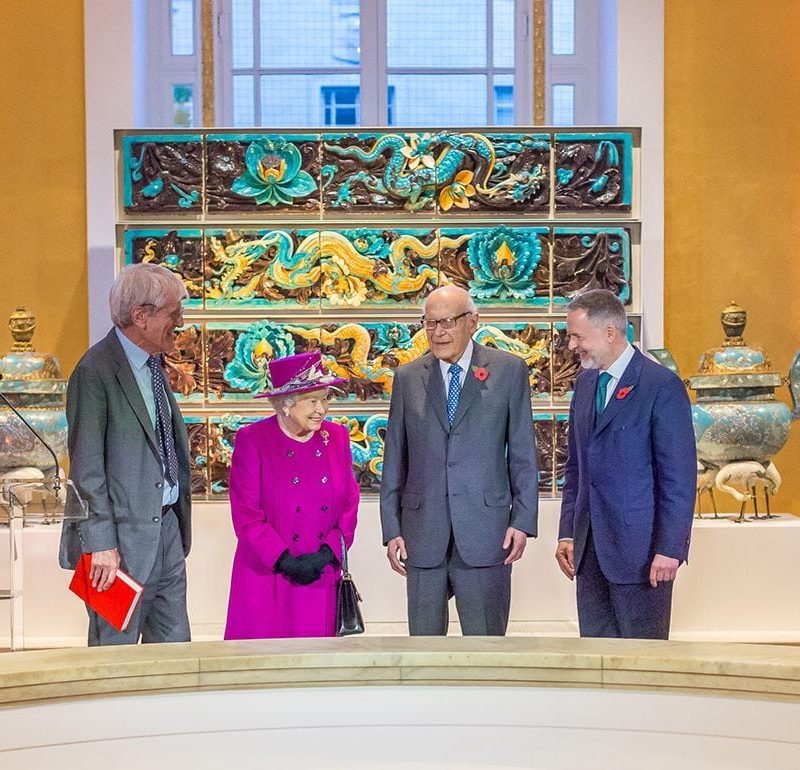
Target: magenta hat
298, 374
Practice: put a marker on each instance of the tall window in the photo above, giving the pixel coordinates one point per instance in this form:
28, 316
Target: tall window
300, 63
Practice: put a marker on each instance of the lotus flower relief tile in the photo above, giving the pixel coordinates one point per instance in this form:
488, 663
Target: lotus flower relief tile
531, 342
178, 250
587, 258
184, 366
162, 173
257, 268
197, 428
594, 172
491, 172
222, 431
367, 354
370, 172
498, 265
544, 429
367, 434
238, 355
372, 267
264, 173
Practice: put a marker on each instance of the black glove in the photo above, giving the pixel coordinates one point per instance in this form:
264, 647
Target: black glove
306, 569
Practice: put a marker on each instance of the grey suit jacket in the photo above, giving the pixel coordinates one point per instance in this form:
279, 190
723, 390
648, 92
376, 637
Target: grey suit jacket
477, 478
115, 465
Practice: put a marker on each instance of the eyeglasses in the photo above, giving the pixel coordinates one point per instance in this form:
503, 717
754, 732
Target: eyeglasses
430, 324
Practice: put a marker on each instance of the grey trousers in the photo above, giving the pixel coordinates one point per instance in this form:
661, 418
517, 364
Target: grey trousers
161, 615
483, 597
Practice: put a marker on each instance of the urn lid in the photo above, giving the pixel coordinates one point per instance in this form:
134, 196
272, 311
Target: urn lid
734, 364
25, 370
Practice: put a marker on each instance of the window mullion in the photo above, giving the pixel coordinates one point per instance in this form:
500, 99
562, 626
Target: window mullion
372, 37
523, 63
256, 63
489, 62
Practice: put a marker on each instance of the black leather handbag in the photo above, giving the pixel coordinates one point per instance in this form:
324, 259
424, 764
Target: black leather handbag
348, 613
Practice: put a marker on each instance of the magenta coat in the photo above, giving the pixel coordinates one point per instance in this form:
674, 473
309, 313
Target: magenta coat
287, 494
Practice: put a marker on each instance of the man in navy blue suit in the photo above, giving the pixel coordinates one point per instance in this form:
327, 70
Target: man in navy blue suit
626, 512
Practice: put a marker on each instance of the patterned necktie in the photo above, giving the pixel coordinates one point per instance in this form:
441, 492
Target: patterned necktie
600, 393
453, 391
166, 442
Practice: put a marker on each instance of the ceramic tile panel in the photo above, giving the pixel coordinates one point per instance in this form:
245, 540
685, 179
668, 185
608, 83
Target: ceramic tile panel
500, 266
197, 429
275, 268
490, 172
543, 427
180, 250
594, 172
378, 267
587, 258
529, 341
367, 354
266, 173
162, 174
560, 449
384, 173
184, 366
238, 355
221, 439
367, 435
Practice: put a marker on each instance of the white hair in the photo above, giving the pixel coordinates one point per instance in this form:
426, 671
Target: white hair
279, 403
142, 284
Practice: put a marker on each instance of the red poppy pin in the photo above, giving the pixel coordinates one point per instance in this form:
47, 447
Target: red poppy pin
480, 373
622, 393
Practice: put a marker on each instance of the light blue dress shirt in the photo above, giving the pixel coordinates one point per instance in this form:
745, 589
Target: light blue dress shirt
137, 358
617, 369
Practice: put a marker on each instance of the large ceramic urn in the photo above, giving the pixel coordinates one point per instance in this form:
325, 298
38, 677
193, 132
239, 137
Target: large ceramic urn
32, 383
736, 415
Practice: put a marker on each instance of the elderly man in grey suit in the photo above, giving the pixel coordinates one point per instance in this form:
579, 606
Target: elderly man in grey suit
129, 459
459, 492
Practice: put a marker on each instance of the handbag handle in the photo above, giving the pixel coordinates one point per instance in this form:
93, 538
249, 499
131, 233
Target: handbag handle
345, 570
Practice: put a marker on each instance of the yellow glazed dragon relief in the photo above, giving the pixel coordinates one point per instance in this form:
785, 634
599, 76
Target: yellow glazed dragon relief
347, 267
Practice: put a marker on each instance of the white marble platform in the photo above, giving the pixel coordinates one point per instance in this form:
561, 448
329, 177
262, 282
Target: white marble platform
741, 583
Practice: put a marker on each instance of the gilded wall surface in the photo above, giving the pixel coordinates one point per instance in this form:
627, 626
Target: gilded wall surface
289, 242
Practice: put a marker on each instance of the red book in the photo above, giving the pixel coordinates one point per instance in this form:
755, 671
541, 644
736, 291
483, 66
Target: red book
115, 604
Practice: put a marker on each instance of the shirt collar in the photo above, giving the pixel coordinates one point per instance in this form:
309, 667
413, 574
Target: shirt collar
463, 362
134, 354
617, 369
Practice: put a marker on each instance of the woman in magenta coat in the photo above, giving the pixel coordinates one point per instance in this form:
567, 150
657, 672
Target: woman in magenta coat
292, 492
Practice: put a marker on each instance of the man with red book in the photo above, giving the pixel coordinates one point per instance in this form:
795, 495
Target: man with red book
129, 459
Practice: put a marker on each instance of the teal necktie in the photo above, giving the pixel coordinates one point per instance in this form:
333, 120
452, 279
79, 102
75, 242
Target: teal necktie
600, 393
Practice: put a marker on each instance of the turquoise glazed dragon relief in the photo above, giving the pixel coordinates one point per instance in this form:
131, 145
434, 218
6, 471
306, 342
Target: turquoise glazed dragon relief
446, 171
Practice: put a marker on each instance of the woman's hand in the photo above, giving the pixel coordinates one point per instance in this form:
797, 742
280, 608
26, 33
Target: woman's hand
306, 568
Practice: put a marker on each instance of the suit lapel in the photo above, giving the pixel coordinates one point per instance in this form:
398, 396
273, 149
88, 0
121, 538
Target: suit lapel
434, 384
472, 385
131, 391
584, 406
629, 379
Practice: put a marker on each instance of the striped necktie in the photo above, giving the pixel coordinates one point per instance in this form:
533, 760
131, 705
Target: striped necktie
166, 437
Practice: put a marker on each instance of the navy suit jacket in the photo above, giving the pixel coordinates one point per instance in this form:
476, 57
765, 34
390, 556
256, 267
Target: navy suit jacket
632, 474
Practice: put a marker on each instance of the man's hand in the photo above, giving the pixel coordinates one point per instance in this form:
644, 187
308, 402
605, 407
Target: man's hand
565, 556
104, 568
395, 551
663, 569
515, 539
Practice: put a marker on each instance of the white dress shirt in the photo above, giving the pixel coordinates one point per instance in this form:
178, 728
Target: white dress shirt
463, 362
